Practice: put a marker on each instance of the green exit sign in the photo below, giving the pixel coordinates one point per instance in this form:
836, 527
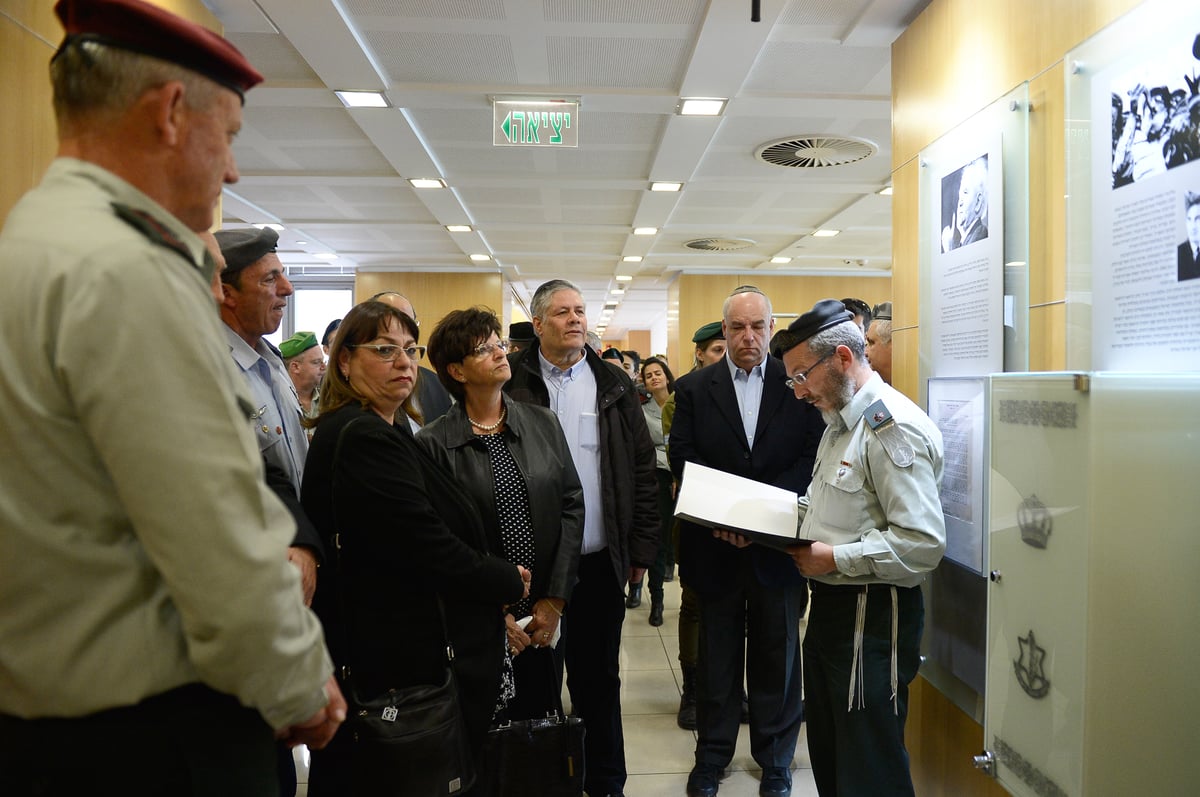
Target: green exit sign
535, 124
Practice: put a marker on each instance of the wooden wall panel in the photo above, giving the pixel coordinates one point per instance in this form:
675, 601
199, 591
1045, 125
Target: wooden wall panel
941, 742
906, 267
1048, 337
905, 357
433, 294
1047, 188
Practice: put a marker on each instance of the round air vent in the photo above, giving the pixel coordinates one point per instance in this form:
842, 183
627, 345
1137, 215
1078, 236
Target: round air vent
815, 152
720, 244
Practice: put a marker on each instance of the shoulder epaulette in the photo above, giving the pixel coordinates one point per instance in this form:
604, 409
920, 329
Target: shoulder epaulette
150, 227
879, 419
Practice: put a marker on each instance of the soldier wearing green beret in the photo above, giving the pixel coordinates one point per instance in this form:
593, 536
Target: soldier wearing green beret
305, 361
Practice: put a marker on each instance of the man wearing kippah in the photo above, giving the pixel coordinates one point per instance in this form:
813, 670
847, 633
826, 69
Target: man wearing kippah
305, 363
152, 634
875, 518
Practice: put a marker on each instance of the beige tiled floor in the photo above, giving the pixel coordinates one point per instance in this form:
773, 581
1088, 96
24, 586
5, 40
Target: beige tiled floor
658, 754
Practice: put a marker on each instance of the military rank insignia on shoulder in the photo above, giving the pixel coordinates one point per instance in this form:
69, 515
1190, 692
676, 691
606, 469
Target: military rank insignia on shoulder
879, 419
150, 227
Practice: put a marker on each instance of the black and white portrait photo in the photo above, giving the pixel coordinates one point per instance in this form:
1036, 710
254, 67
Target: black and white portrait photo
1189, 250
965, 205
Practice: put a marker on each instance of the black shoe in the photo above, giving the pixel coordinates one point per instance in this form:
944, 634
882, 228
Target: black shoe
704, 781
686, 718
635, 596
656, 612
776, 782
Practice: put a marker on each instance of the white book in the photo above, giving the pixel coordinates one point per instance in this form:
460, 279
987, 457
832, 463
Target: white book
721, 500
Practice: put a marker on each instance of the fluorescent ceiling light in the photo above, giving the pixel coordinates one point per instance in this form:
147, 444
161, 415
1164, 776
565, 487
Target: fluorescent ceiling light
301, 243
362, 99
275, 227
701, 106
481, 257
631, 259
645, 230
609, 306
624, 278
458, 228
427, 182
325, 256
781, 260
661, 186
887, 191
825, 233
618, 291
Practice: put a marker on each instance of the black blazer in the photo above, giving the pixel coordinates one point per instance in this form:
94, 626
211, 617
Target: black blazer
555, 495
432, 397
405, 535
1189, 267
707, 429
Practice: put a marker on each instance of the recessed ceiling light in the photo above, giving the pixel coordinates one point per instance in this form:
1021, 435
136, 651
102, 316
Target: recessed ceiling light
427, 182
660, 186
618, 291
275, 227
645, 231
624, 278
887, 191
481, 257
701, 106
458, 228
632, 259
825, 233
611, 305
362, 99
301, 243
325, 256
781, 260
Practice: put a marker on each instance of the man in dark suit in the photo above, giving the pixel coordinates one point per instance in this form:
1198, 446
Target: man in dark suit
1189, 250
736, 415
431, 398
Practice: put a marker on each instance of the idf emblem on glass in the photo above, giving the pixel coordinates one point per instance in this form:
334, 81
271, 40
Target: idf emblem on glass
1030, 673
1035, 521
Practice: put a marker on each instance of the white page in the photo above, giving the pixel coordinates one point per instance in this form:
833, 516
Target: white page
718, 499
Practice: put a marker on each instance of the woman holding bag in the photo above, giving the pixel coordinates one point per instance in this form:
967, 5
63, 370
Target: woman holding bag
414, 570
513, 460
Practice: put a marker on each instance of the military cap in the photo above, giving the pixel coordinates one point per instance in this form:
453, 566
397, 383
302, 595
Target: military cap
825, 314
711, 331
882, 311
149, 30
297, 344
242, 248
521, 331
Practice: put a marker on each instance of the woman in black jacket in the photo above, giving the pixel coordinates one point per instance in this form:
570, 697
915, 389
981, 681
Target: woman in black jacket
513, 460
395, 524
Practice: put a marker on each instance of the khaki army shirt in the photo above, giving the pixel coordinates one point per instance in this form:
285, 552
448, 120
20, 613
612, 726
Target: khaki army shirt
139, 547
875, 492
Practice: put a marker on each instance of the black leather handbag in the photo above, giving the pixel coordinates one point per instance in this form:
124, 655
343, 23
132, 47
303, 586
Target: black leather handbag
538, 756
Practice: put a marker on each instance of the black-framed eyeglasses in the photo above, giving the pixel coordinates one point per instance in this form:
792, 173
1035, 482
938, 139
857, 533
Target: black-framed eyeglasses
388, 353
802, 377
486, 349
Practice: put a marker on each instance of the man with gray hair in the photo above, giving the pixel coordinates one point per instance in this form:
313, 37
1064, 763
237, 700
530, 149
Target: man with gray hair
874, 516
879, 341
606, 432
969, 223
736, 416
152, 633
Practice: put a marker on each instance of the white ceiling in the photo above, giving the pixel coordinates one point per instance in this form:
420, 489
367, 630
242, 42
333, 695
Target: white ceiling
337, 178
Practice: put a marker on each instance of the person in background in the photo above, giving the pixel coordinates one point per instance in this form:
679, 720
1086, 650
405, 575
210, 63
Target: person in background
875, 517
429, 400
513, 460
132, 497
305, 362
593, 341
615, 356
879, 341
520, 336
710, 348
327, 338
405, 537
660, 383
610, 445
861, 311
736, 416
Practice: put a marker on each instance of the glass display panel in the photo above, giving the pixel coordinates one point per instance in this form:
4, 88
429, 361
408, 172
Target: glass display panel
1037, 598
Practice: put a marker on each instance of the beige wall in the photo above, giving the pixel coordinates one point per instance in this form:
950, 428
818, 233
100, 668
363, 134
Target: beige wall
433, 294
955, 59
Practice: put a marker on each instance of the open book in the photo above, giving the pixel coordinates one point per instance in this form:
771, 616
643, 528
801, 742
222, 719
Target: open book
717, 499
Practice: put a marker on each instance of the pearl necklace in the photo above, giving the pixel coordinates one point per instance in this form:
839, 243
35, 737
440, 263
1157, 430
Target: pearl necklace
494, 426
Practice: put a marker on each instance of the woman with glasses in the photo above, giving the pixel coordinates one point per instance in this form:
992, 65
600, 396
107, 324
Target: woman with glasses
402, 536
513, 460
